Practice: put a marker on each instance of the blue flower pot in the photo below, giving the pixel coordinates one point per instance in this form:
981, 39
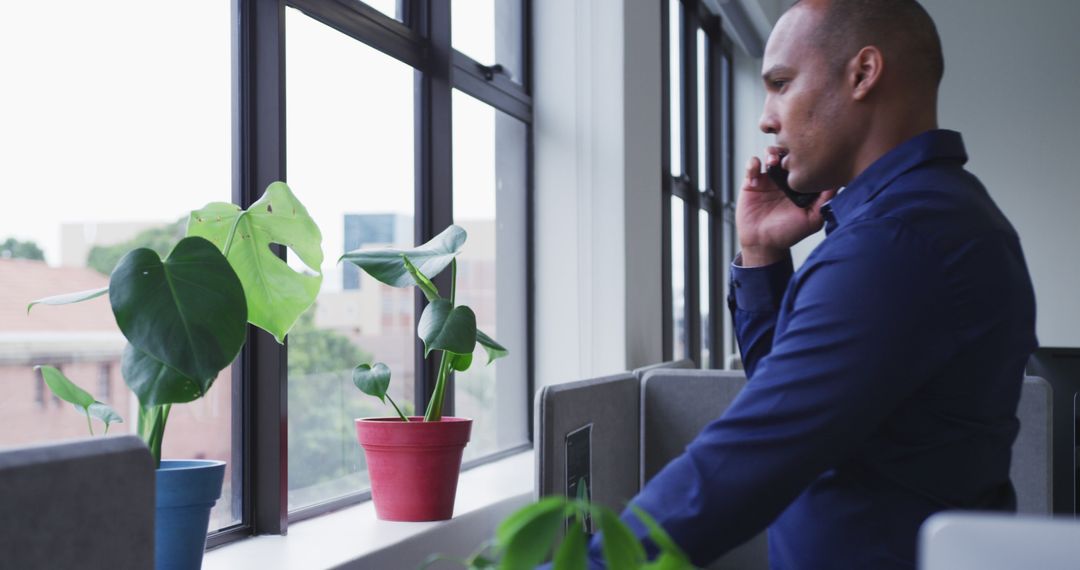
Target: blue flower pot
186, 491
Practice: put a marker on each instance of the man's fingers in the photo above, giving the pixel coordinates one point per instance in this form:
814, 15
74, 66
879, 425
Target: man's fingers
753, 172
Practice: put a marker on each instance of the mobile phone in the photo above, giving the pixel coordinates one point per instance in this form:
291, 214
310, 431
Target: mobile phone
779, 177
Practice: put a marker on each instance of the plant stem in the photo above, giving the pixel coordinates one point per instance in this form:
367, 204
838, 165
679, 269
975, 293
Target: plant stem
396, 409
434, 409
89, 423
152, 428
232, 233
453, 280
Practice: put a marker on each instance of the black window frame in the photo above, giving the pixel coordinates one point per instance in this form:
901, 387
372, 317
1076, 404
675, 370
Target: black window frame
717, 199
419, 37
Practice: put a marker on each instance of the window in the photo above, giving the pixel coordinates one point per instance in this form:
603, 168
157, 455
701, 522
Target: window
697, 182
402, 117
107, 147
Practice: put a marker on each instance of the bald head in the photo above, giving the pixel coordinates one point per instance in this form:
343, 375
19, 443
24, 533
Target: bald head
902, 29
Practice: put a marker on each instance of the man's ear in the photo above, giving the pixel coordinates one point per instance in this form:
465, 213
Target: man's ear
864, 71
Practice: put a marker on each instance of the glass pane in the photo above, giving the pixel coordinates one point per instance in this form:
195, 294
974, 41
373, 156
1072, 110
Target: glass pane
350, 160
489, 202
489, 31
678, 277
389, 7
106, 148
702, 106
704, 226
675, 84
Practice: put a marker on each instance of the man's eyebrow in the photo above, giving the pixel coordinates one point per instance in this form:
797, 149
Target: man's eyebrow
774, 71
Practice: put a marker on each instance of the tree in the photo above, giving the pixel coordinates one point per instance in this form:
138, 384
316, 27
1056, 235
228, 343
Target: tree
103, 258
15, 249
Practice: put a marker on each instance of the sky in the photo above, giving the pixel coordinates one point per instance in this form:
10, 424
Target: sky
126, 122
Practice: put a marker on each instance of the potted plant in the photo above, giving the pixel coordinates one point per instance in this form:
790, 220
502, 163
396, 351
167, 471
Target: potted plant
413, 462
185, 319
528, 537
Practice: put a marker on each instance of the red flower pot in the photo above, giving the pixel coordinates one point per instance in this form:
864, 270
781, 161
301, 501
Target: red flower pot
413, 465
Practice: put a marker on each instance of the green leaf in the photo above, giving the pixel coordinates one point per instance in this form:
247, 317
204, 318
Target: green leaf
621, 548
527, 539
186, 313
460, 362
68, 298
494, 350
517, 520
372, 380
429, 289
482, 563
573, 552
443, 326
666, 561
104, 413
64, 388
659, 536
276, 294
155, 383
430, 259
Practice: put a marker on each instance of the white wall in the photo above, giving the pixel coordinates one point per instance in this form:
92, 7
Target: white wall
597, 181
1012, 87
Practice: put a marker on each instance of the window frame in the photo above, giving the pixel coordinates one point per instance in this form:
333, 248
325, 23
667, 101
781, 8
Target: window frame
718, 197
422, 40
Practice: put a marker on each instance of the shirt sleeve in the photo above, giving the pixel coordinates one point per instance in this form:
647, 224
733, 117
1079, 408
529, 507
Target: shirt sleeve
754, 301
859, 339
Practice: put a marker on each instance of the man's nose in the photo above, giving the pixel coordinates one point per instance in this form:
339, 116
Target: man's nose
768, 123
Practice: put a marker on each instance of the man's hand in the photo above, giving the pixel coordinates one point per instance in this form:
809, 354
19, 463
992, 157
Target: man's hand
768, 222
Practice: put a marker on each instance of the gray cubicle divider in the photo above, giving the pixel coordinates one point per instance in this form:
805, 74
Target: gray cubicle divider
83, 504
1032, 465
675, 406
684, 363
610, 405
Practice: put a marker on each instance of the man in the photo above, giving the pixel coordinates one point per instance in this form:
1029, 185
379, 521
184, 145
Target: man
884, 375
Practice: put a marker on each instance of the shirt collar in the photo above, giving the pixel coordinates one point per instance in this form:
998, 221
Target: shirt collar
926, 147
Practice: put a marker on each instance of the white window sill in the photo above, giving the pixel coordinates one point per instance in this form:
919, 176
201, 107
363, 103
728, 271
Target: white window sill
354, 538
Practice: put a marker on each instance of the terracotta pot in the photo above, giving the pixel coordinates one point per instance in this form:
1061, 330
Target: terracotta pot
413, 465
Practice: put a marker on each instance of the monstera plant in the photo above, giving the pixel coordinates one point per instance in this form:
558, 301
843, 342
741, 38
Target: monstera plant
414, 462
185, 319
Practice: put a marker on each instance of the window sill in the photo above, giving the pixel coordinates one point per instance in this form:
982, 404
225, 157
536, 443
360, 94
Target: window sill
354, 538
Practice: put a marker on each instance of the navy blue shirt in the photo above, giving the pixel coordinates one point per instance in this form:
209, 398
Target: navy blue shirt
883, 383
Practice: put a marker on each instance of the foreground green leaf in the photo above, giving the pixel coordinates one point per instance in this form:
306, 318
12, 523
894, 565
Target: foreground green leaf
670, 550
573, 552
443, 326
621, 548
276, 294
529, 541
514, 523
187, 313
430, 259
68, 298
372, 380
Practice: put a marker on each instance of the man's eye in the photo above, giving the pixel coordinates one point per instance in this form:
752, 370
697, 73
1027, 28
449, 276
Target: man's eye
778, 84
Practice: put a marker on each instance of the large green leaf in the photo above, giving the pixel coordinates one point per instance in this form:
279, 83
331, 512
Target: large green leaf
443, 326
430, 259
68, 298
64, 388
186, 312
276, 294
155, 383
104, 413
493, 349
372, 380
621, 548
527, 538
573, 552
